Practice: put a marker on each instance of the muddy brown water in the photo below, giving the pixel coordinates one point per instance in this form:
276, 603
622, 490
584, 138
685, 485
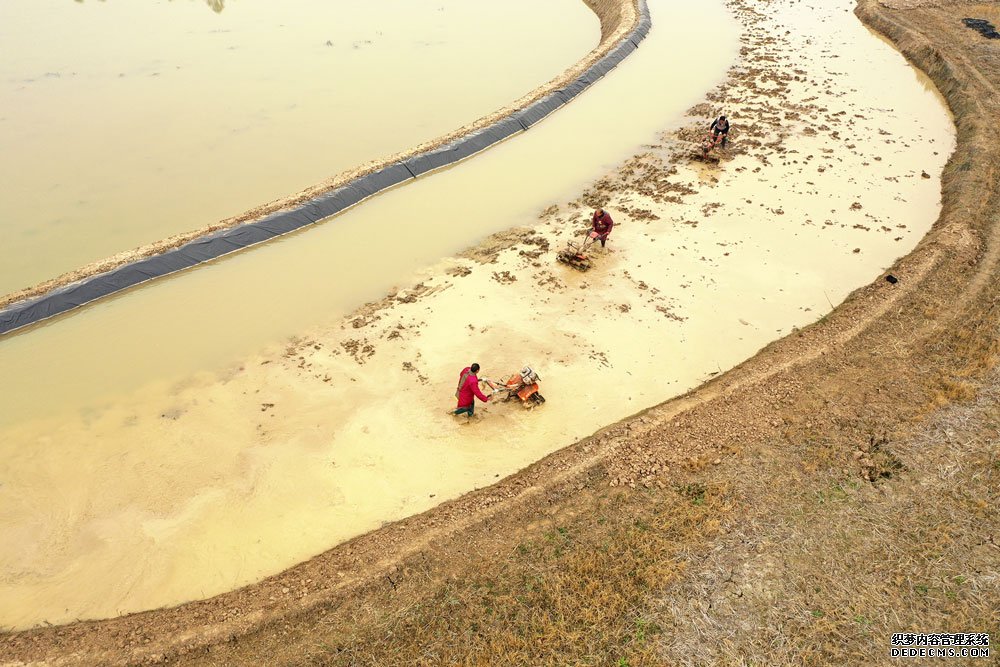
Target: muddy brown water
129, 451
122, 123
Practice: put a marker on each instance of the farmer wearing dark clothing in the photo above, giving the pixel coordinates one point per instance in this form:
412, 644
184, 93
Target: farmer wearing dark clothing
721, 126
602, 226
468, 391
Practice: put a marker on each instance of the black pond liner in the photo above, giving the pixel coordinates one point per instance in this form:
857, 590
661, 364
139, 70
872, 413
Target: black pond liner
983, 27
213, 246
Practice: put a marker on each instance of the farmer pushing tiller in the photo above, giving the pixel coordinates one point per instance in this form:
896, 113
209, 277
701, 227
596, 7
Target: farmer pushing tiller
717, 138
575, 255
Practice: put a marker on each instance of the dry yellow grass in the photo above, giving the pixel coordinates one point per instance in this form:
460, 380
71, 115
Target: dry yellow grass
823, 566
579, 593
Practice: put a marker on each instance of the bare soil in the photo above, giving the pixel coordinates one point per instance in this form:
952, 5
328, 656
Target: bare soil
838, 487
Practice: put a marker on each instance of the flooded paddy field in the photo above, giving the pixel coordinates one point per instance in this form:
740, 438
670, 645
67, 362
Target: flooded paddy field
122, 123
328, 420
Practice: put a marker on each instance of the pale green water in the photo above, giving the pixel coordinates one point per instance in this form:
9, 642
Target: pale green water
124, 122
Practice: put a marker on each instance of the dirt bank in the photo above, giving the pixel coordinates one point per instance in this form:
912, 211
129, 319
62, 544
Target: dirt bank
617, 18
876, 366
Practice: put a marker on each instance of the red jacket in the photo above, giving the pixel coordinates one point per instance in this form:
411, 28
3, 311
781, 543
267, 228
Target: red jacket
602, 224
468, 389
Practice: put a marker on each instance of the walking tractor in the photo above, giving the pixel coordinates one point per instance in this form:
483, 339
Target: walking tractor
575, 254
522, 385
712, 142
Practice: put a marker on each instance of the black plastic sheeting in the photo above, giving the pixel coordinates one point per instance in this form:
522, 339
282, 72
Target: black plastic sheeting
983, 27
463, 147
215, 245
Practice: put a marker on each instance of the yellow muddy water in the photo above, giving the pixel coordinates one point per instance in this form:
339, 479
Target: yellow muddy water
222, 312
138, 472
122, 123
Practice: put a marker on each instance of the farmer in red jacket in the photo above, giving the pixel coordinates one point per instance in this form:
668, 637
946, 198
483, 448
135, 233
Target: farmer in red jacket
602, 226
468, 391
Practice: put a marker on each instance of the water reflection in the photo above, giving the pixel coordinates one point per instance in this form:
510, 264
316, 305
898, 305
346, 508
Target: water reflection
216, 5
